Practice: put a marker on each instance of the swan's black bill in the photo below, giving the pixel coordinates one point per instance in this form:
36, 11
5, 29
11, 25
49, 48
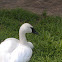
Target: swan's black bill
33, 31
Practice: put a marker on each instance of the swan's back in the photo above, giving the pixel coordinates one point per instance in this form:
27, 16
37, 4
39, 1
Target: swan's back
9, 45
21, 54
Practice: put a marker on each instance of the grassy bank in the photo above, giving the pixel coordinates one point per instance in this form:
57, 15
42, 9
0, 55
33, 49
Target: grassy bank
47, 45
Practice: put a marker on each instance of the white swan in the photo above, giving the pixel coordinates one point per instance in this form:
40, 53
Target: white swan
11, 43
20, 50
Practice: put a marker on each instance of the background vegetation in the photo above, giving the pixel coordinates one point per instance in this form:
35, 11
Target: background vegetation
47, 45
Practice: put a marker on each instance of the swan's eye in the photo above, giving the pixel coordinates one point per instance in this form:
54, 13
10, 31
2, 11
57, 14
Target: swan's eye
33, 31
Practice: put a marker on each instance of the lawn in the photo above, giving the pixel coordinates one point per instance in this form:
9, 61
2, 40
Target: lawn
47, 45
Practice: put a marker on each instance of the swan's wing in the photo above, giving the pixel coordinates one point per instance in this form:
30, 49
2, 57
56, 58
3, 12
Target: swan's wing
9, 44
30, 45
21, 54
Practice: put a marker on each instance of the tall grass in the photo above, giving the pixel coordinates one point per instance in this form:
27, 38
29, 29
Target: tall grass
47, 45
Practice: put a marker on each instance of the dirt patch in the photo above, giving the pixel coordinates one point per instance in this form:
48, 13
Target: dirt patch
53, 7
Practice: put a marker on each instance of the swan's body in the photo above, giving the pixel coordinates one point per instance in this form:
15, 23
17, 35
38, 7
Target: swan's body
18, 50
9, 44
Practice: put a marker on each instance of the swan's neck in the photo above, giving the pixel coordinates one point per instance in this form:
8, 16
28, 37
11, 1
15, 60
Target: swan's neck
23, 40
22, 37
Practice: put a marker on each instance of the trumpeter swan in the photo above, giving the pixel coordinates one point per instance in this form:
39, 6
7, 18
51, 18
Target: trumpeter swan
19, 50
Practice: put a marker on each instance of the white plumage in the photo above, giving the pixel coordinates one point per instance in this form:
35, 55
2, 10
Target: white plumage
8, 45
22, 53
4, 57
14, 50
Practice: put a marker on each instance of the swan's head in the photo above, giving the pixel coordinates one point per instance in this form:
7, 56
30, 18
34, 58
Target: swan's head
27, 28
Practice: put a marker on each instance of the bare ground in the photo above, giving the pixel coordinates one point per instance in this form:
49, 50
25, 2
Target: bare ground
53, 7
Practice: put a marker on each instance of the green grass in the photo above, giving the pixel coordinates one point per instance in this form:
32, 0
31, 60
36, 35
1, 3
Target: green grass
47, 45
